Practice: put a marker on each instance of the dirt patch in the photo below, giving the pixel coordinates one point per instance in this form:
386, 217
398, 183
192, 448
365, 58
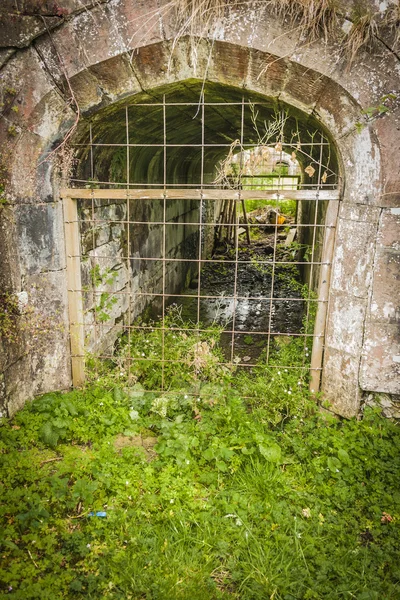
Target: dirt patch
147, 443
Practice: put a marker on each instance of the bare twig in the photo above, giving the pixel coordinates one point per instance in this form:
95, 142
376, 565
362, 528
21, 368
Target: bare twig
32, 559
49, 460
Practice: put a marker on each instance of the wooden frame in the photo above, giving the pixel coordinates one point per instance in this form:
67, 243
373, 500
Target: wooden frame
196, 194
75, 303
73, 256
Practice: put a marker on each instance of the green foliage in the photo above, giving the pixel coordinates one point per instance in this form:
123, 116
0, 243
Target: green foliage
248, 493
232, 506
9, 316
105, 299
373, 112
286, 206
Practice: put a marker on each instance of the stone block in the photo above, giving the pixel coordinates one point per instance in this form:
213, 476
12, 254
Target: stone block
340, 382
360, 213
380, 364
19, 30
353, 256
45, 365
5, 55
346, 324
40, 238
265, 74
388, 132
24, 74
385, 301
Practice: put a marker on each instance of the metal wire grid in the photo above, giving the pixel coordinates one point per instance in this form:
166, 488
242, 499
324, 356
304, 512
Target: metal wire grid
164, 295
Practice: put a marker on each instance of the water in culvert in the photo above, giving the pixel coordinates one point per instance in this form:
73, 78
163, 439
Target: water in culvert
241, 298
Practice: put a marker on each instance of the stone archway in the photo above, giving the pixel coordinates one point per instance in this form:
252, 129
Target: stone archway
360, 353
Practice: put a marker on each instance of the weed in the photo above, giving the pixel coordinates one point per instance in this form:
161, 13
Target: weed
235, 503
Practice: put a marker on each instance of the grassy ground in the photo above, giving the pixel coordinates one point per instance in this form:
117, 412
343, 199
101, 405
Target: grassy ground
201, 495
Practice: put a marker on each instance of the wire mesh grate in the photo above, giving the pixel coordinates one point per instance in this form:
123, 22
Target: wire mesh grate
219, 269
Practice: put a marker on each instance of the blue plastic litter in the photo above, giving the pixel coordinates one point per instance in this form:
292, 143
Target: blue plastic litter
100, 513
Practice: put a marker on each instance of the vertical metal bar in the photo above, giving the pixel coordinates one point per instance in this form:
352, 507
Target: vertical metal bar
236, 234
95, 276
128, 243
75, 303
164, 245
200, 210
323, 295
91, 152
276, 224
313, 248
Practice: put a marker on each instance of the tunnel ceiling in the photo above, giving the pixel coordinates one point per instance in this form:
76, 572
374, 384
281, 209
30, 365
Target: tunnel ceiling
222, 125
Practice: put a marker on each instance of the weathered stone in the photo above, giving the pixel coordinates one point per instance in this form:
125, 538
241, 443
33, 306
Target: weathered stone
5, 55
340, 382
18, 30
40, 231
109, 53
354, 252
45, 329
381, 354
346, 323
390, 404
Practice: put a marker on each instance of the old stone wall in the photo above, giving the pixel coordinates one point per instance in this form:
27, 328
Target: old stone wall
99, 53
118, 288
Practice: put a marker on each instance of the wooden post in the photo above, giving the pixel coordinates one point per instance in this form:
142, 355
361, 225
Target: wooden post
323, 296
75, 303
246, 221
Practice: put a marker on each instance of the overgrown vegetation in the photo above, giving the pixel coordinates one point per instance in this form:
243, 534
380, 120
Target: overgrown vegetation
311, 18
225, 486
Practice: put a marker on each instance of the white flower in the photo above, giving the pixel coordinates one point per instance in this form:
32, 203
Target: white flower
185, 396
238, 522
289, 392
143, 354
101, 403
171, 501
187, 462
126, 482
88, 546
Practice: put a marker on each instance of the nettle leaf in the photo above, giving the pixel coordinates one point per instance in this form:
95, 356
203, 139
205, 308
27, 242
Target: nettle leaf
209, 454
49, 434
271, 453
334, 464
247, 450
221, 466
344, 457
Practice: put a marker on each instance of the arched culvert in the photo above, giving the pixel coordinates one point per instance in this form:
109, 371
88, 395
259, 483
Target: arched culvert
188, 222
362, 336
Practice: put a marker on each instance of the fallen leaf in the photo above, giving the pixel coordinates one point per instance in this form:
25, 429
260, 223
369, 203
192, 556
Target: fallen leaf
310, 170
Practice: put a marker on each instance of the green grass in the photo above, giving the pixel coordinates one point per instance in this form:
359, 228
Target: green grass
251, 500
286, 207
